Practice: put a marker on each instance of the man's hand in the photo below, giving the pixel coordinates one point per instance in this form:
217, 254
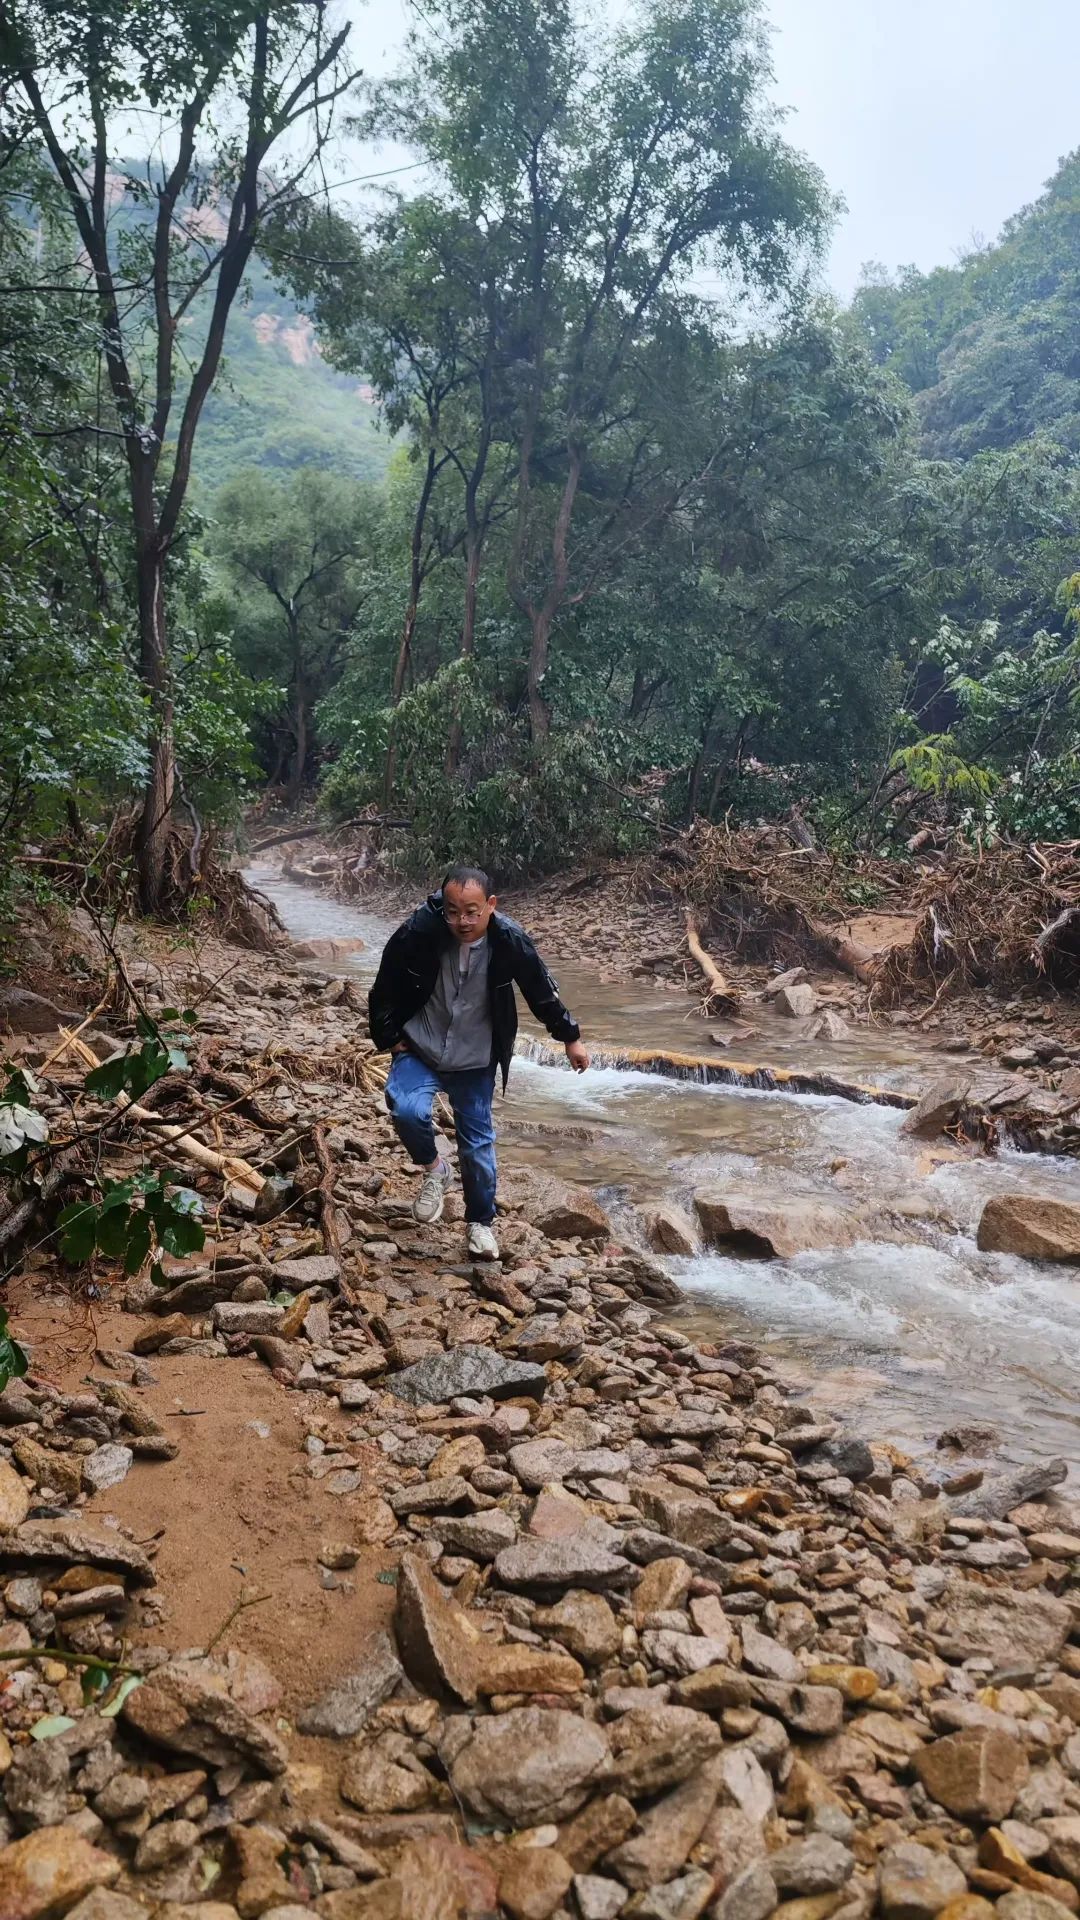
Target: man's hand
577, 1055
402, 1046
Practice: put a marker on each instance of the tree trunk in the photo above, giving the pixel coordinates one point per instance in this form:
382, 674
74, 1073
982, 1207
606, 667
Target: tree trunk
540, 637
299, 712
468, 642
153, 834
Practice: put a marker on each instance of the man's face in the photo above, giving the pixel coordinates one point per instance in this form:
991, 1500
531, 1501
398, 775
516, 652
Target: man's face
466, 910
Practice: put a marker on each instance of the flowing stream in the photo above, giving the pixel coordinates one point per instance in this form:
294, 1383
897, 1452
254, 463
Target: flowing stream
907, 1332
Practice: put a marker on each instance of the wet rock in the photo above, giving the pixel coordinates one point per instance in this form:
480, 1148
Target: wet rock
781, 1227
938, 1108
1004, 1491
154, 1333
437, 1645
1031, 1225
828, 1026
666, 1832
36, 1784
177, 1708
24, 1012
751, 1895
655, 1747
549, 1336
385, 1776
74, 1546
472, 1371
1010, 1628
559, 1210
1001, 1856
532, 1881
585, 1624
915, 1882
45, 1873
598, 1898
767, 1657
14, 1497
312, 1270
746, 1784
165, 1845
687, 1516
346, 1707
526, 1766
244, 1316
480, 1535
849, 1455
795, 1002
814, 1710
542, 1463
668, 1229
975, 1775
430, 1496
62, 1471
1063, 1855
104, 1904
815, 1865
713, 1688
576, 1560
1030, 1906
106, 1467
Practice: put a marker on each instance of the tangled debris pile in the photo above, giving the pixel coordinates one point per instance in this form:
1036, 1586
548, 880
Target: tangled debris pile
664, 1644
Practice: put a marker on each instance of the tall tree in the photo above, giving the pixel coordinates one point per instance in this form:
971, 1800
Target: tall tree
617, 173
216, 88
299, 551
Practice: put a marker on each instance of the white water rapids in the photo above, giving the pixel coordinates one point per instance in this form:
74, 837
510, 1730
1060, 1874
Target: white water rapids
904, 1335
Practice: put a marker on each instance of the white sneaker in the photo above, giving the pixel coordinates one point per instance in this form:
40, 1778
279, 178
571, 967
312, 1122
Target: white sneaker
481, 1242
428, 1205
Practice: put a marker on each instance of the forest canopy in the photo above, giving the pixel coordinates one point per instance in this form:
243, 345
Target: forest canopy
552, 502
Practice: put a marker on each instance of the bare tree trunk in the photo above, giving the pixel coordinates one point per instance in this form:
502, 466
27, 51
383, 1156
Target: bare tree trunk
299, 710
539, 648
416, 581
153, 833
468, 640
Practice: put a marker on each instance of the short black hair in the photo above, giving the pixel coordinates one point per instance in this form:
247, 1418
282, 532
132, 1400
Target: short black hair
461, 877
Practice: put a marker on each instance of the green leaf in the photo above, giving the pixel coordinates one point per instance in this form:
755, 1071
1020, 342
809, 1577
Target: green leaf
13, 1358
127, 1686
185, 1234
108, 1079
139, 1239
113, 1228
78, 1235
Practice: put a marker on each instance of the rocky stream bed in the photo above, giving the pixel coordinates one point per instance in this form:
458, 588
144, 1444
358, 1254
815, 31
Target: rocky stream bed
569, 1613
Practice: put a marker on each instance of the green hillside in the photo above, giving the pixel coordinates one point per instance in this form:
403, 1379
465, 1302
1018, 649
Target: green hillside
277, 404
990, 348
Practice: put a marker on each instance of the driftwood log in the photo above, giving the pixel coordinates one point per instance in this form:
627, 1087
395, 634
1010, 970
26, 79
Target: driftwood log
719, 987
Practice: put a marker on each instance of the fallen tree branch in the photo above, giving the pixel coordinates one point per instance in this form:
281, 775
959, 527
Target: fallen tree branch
310, 833
15, 1224
228, 1165
719, 987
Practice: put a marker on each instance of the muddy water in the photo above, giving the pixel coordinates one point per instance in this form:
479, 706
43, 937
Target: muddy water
910, 1330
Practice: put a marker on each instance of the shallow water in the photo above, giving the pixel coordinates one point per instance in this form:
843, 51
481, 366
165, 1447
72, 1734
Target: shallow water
906, 1334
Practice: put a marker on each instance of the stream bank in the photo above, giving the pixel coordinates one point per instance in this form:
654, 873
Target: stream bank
571, 1610
909, 1326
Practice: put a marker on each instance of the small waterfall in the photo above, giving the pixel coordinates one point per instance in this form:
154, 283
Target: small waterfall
716, 1073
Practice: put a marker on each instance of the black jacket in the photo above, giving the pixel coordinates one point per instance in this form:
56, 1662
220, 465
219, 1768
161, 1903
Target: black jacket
409, 970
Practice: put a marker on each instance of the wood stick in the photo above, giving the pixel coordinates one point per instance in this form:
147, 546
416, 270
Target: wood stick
81, 1028
719, 987
229, 1165
328, 1214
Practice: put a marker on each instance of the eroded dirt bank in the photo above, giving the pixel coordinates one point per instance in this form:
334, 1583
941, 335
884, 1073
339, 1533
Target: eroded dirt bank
560, 1610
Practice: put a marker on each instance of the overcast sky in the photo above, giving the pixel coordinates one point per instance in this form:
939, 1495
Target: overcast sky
935, 119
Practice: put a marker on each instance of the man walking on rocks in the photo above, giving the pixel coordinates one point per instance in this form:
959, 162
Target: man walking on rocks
443, 1005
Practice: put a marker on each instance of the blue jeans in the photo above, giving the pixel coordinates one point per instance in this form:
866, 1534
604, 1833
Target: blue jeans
410, 1096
